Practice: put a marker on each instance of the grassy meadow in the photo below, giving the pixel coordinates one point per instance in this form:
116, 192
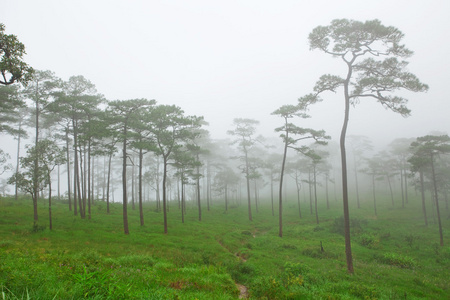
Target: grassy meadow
225, 256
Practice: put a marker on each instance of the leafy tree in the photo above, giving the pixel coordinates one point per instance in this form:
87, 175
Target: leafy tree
12, 67
225, 178
400, 149
125, 113
244, 132
185, 163
426, 151
374, 169
370, 52
291, 135
26, 179
78, 96
170, 129
39, 90
51, 156
4, 166
10, 102
143, 142
359, 145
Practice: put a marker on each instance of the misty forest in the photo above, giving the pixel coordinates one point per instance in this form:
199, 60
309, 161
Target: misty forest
132, 199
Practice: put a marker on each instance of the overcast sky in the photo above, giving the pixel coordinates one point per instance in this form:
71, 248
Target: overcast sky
227, 59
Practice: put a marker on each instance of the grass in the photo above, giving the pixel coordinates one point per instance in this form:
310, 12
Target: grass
395, 255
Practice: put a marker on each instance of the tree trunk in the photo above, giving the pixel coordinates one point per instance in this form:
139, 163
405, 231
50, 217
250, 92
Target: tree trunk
108, 182
280, 195
348, 248
198, 193
16, 188
141, 210
315, 196
298, 197
164, 192
124, 181
247, 175
89, 179
50, 226
441, 236
422, 193
373, 193
36, 162
68, 169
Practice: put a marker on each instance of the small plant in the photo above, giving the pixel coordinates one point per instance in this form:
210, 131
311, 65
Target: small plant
410, 240
37, 228
397, 260
368, 240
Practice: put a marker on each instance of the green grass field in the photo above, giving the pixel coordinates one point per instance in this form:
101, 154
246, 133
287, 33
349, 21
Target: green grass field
395, 255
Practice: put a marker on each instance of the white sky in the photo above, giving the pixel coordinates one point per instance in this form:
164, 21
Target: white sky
227, 59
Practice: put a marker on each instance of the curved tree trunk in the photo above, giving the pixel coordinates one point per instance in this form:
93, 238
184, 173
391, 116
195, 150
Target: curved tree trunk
348, 247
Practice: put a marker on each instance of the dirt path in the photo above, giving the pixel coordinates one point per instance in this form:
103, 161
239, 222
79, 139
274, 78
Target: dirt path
243, 290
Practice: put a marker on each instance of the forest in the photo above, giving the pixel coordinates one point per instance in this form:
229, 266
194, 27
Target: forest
132, 199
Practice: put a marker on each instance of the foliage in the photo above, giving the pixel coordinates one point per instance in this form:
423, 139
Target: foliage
397, 260
12, 67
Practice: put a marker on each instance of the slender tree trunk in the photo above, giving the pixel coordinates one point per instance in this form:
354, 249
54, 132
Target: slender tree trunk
357, 185
133, 183
271, 193
124, 181
298, 197
247, 175
390, 189
326, 190
280, 195
141, 210
59, 183
374, 197
348, 248
208, 185
89, 179
76, 169
422, 193
108, 182
164, 193
406, 186
401, 186
198, 193
158, 195
310, 193
315, 196
16, 188
36, 161
50, 226
441, 236
68, 169
182, 200
226, 197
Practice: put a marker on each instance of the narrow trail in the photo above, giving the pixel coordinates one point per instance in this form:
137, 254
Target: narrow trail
243, 290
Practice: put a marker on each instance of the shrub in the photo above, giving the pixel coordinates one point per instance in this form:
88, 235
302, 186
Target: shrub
397, 260
368, 240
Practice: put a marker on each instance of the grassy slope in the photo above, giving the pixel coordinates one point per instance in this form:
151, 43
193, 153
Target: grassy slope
395, 255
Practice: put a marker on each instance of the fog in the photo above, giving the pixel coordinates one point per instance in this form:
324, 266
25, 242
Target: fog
232, 59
